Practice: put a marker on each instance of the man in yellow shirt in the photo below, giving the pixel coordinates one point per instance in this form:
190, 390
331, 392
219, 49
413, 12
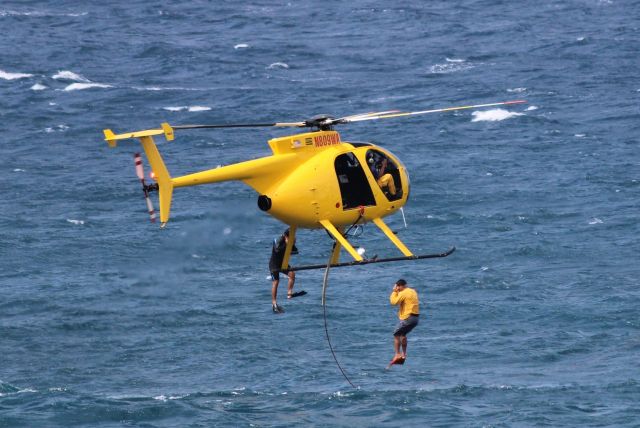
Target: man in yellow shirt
408, 312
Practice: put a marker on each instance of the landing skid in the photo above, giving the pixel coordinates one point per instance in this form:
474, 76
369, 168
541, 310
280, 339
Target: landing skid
375, 260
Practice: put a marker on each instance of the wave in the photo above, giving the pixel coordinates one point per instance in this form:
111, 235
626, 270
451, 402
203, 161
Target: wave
278, 65
167, 88
51, 129
81, 86
69, 75
450, 66
38, 87
39, 14
241, 46
493, 115
8, 389
187, 108
13, 76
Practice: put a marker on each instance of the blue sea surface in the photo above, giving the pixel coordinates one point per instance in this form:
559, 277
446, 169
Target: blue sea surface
107, 320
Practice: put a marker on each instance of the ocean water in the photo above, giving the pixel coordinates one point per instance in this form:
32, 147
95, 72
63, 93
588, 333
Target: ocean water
106, 320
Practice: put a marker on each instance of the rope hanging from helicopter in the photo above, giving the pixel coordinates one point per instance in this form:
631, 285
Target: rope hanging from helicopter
325, 282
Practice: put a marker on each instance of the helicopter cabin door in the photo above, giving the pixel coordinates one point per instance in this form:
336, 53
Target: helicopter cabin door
354, 186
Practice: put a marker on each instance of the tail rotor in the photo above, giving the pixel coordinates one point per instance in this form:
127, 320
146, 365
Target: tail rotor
146, 188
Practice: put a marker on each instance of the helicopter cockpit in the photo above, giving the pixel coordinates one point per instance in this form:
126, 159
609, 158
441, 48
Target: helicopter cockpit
386, 173
355, 187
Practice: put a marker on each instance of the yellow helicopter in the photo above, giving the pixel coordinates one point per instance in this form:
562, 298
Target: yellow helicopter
312, 180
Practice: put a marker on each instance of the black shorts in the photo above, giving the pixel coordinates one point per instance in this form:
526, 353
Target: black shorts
405, 326
275, 274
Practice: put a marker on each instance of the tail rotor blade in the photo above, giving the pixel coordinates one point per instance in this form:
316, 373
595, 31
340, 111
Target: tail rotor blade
145, 188
139, 168
152, 212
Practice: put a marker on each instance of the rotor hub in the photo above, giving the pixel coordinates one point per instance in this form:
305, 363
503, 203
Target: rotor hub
323, 122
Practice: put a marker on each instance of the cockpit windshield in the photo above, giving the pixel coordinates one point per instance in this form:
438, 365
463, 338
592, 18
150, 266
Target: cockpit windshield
386, 173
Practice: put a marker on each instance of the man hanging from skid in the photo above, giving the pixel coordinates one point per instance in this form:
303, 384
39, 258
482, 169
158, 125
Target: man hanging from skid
275, 263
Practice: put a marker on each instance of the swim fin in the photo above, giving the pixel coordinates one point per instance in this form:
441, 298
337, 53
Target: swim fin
297, 294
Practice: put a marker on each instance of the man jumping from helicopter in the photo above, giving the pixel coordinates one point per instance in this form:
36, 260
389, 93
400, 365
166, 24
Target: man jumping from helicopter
275, 267
408, 313
378, 169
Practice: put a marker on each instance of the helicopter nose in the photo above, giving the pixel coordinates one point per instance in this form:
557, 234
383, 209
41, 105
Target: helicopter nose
264, 202
405, 178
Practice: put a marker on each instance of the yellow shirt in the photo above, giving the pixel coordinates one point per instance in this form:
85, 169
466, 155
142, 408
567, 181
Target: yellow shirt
408, 300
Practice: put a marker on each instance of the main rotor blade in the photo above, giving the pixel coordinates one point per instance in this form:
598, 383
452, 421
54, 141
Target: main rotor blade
244, 125
364, 115
387, 115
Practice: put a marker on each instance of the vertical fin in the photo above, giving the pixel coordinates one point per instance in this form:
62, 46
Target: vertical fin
110, 137
165, 186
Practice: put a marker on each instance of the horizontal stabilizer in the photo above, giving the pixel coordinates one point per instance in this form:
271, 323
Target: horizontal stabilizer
112, 138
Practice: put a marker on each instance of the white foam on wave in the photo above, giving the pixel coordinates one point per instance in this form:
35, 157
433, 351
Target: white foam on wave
493, 115
278, 65
531, 108
168, 88
451, 65
81, 86
76, 222
61, 127
517, 90
171, 397
18, 170
13, 76
22, 391
149, 88
69, 75
187, 108
175, 108
595, 220
39, 13
38, 87
241, 46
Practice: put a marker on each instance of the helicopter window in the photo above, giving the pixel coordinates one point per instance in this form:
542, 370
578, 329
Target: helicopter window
354, 186
386, 173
